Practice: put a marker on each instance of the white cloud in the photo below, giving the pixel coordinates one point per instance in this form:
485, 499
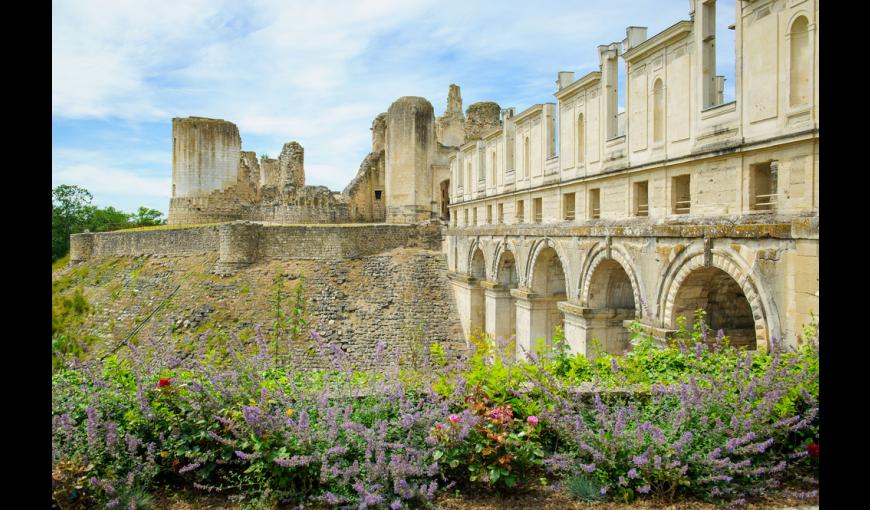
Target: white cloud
316, 72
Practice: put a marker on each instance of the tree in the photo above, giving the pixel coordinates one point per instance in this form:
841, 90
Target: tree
69, 211
145, 217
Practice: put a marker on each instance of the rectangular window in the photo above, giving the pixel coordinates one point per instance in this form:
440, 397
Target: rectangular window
474, 214
500, 208
762, 187
378, 194
538, 205
568, 204
466, 217
641, 198
489, 215
521, 211
595, 204
682, 198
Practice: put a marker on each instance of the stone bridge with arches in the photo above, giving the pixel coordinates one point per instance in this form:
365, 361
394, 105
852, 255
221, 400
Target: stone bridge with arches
524, 280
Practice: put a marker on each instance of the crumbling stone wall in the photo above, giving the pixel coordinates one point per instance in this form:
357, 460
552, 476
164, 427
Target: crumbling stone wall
480, 118
291, 165
365, 193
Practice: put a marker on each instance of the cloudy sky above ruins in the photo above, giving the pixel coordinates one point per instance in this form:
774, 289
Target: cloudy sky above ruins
317, 73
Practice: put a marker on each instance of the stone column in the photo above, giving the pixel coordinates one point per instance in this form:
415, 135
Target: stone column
533, 321
469, 302
575, 326
499, 310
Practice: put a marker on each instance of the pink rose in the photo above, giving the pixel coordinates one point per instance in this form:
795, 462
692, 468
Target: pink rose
454, 418
532, 419
439, 426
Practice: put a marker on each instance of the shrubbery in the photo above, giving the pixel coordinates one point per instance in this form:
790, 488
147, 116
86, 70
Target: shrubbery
699, 419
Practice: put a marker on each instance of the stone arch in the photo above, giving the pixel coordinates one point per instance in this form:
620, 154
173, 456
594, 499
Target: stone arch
764, 314
596, 258
473, 246
536, 249
477, 265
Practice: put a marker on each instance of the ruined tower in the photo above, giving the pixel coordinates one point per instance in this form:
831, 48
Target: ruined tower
480, 118
451, 125
410, 148
291, 165
205, 155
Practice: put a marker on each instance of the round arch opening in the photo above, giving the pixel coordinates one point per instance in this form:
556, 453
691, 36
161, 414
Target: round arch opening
725, 304
610, 301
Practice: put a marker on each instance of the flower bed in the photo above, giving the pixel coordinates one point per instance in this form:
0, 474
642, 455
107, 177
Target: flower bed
702, 421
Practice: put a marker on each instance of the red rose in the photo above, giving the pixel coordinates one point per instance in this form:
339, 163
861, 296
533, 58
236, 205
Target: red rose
162, 382
813, 450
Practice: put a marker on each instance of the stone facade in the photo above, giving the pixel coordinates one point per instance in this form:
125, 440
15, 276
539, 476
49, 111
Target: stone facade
680, 202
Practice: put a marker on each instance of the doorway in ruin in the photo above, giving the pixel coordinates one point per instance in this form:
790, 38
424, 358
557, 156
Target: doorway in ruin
445, 200
478, 306
715, 291
610, 301
548, 287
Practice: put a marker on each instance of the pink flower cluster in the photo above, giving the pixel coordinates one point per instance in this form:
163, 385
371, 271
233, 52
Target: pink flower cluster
532, 419
502, 414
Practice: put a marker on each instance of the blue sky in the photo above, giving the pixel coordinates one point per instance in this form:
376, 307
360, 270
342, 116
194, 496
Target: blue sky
314, 72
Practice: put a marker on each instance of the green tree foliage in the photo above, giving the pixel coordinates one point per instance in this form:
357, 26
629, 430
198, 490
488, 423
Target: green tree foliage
72, 212
68, 211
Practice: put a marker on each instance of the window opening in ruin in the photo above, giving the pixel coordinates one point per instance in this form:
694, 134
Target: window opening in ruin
658, 111
568, 204
538, 206
682, 198
724, 302
378, 194
581, 139
595, 203
521, 211
527, 157
641, 198
489, 215
717, 53
445, 200
763, 186
500, 209
800, 62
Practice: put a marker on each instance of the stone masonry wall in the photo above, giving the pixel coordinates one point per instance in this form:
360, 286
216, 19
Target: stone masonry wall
242, 243
400, 298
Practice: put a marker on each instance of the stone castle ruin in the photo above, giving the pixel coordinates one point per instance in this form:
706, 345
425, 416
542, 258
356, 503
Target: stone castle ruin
682, 201
404, 179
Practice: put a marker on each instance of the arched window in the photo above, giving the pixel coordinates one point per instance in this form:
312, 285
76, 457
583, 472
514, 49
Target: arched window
658, 111
581, 139
527, 159
800, 63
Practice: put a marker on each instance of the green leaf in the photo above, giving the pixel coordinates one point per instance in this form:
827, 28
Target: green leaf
437, 455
